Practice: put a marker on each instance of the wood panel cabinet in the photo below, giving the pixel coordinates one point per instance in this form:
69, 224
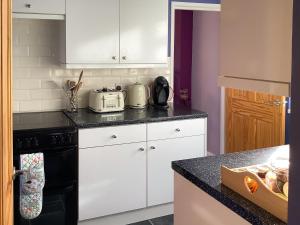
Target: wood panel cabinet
39, 6
161, 153
253, 120
111, 179
256, 45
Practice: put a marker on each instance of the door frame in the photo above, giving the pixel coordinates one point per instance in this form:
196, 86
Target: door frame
6, 153
196, 7
185, 6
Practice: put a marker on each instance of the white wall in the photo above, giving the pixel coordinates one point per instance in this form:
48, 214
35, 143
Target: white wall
205, 69
38, 77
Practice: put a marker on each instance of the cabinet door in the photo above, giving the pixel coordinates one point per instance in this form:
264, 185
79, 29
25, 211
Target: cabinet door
143, 31
160, 156
112, 179
39, 6
256, 39
92, 31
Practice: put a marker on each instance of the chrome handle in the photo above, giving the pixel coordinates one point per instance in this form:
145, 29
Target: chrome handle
177, 130
18, 173
275, 102
114, 57
124, 57
28, 6
141, 149
152, 147
114, 136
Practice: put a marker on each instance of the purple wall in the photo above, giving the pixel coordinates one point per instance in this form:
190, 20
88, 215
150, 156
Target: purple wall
199, 1
183, 54
206, 95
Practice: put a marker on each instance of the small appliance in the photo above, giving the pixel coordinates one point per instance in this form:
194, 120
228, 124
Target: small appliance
138, 96
105, 100
160, 92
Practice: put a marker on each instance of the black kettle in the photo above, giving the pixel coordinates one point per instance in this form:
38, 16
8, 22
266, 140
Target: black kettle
160, 92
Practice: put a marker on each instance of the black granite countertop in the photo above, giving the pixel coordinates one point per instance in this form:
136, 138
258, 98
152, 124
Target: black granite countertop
206, 174
85, 118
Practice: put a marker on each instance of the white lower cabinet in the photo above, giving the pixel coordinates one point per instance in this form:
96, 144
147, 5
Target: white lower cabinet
125, 168
160, 156
112, 179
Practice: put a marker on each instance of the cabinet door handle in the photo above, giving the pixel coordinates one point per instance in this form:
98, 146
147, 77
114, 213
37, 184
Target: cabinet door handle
141, 149
28, 5
114, 136
114, 57
152, 147
124, 57
177, 130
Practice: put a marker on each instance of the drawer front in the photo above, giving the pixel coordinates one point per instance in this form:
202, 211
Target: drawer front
111, 135
39, 6
176, 129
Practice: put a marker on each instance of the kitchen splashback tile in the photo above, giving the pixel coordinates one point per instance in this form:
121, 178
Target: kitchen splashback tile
37, 70
30, 106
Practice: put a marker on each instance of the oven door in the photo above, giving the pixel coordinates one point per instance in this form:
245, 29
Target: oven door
60, 194
59, 208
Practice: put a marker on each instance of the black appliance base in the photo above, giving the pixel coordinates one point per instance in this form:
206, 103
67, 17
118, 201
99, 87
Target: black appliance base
161, 107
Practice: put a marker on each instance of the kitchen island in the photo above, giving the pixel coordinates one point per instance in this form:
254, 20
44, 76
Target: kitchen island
202, 177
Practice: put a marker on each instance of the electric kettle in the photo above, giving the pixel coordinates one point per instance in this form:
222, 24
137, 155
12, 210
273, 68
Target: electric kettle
137, 96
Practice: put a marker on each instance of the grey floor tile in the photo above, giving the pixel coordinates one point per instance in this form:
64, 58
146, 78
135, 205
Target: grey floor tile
146, 222
165, 220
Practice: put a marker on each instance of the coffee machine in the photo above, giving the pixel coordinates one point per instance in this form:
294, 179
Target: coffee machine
160, 93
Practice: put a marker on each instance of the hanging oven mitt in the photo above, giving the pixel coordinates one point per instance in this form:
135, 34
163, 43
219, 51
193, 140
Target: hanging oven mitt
32, 182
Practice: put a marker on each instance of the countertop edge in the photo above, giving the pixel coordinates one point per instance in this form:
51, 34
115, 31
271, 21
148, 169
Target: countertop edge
132, 122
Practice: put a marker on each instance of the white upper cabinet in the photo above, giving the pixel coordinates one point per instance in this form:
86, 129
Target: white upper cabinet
256, 44
143, 31
92, 31
113, 33
39, 6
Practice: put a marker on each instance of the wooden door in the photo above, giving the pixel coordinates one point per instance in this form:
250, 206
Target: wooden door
253, 120
6, 164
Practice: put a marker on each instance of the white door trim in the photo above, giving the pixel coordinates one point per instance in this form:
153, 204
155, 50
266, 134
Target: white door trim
194, 7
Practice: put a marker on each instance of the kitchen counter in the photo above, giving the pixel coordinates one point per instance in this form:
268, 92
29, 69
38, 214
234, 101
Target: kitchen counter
85, 118
206, 174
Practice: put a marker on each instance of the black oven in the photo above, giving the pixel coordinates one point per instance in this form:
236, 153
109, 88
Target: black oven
60, 193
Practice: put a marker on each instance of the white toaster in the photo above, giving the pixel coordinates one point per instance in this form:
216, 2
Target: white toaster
106, 101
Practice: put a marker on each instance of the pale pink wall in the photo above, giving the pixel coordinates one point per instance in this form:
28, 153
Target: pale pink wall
205, 68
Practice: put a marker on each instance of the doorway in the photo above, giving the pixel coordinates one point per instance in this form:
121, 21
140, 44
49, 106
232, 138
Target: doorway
195, 63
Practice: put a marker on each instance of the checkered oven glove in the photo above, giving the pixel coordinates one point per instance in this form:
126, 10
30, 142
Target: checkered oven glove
31, 185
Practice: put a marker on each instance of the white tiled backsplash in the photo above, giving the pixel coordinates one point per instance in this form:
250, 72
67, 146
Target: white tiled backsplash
38, 77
